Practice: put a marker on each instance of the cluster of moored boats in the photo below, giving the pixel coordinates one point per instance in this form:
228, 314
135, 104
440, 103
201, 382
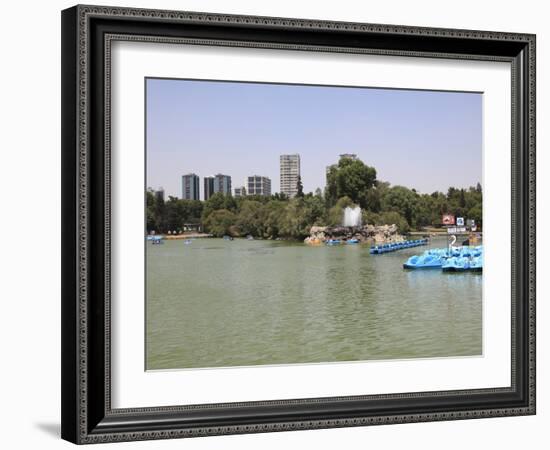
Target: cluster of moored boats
394, 246
155, 239
455, 259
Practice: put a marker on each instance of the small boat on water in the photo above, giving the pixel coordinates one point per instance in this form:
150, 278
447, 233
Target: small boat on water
155, 239
333, 242
187, 241
250, 237
352, 241
314, 241
476, 264
456, 264
424, 261
227, 238
463, 264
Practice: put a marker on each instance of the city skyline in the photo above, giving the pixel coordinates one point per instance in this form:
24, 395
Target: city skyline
241, 129
219, 183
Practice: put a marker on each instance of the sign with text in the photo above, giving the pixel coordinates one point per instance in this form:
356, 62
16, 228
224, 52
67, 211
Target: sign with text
448, 219
455, 230
460, 221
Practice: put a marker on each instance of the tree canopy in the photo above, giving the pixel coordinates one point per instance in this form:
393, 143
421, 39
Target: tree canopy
350, 178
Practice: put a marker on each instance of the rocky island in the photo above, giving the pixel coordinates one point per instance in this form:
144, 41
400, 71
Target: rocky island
366, 233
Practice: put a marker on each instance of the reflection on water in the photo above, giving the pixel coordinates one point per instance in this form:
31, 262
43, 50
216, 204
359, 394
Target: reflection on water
238, 303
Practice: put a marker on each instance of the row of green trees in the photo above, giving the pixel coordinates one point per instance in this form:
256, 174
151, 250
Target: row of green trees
417, 210
349, 183
259, 216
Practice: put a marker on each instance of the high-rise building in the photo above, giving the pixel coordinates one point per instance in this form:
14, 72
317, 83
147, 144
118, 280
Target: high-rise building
159, 194
239, 192
208, 187
258, 185
222, 183
190, 187
290, 174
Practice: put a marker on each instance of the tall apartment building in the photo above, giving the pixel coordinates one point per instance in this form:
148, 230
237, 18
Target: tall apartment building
222, 183
190, 187
258, 185
208, 187
290, 173
159, 194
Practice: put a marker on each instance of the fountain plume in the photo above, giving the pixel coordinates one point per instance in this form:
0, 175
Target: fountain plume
352, 217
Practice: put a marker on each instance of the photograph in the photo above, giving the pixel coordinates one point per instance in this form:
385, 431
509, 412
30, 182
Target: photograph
272, 222
305, 224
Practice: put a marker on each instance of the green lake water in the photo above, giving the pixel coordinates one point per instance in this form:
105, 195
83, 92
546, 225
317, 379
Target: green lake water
216, 303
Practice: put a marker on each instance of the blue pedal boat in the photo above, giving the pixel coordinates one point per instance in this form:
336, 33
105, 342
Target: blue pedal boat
476, 264
424, 261
456, 264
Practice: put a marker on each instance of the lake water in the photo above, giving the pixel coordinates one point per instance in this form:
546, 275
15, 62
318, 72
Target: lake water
216, 303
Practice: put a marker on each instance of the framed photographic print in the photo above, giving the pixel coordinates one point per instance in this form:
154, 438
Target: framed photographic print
276, 224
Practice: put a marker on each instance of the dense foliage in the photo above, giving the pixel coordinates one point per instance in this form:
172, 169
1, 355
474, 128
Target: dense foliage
349, 183
350, 178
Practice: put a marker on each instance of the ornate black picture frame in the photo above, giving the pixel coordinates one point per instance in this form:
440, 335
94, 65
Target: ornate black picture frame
87, 415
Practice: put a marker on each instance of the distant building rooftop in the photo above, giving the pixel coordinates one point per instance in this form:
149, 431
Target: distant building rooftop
348, 155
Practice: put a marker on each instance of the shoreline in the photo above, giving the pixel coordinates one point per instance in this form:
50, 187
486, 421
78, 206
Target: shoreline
185, 236
207, 235
441, 233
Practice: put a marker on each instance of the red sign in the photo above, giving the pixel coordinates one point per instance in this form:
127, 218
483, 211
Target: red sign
448, 219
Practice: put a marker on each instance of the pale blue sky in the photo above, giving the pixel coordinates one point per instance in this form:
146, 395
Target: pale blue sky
420, 139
